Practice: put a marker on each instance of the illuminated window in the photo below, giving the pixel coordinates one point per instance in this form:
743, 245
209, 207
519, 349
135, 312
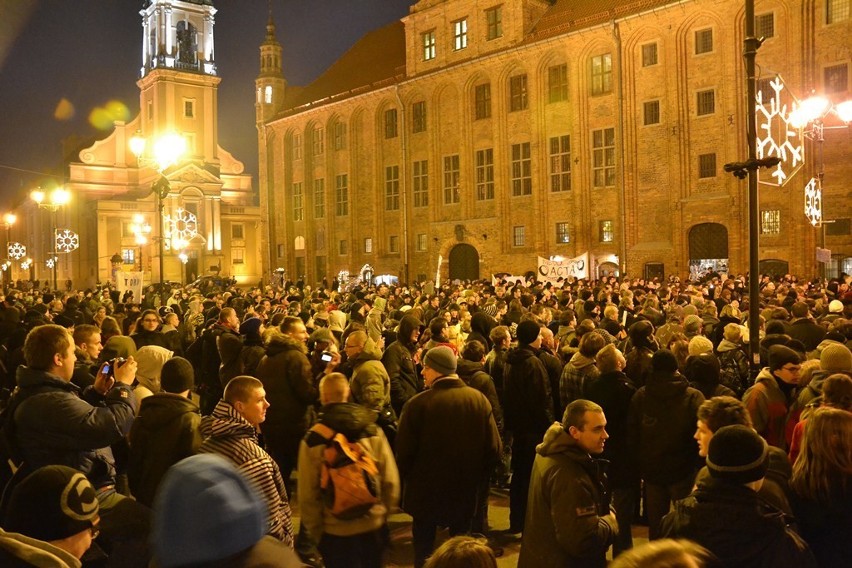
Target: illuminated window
128, 256
421, 242
605, 232
494, 22
418, 118
521, 170
603, 157
392, 188
705, 102
341, 193
452, 192
298, 205
267, 94
482, 99
421, 183
837, 10
485, 174
651, 112
557, 83
703, 41
562, 236
560, 163
368, 245
770, 222
649, 54
238, 255
319, 198
460, 34
518, 93
428, 45
602, 74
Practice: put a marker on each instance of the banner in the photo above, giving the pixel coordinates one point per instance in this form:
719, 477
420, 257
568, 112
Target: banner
438, 272
129, 281
552, 270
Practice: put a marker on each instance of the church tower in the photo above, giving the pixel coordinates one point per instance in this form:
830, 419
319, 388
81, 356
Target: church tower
270, 83
178, 84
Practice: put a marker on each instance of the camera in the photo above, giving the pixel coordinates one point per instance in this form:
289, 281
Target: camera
112, 365
326, 356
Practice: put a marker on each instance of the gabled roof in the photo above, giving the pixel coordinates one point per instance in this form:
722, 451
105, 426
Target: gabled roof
374, 61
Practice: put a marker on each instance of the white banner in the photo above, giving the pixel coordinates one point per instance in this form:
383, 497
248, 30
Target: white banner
129, 281
438, 272
552, 270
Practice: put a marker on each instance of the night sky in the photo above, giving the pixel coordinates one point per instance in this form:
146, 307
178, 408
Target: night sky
88, 53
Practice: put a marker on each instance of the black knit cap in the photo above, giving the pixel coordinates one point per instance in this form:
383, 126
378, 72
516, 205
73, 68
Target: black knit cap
664, 361
52, 503
780, 355
177, 375
737, 454
527, 332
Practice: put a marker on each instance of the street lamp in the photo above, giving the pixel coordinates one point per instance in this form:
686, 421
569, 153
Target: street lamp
165, 152
57, 198
140, 229
8, 220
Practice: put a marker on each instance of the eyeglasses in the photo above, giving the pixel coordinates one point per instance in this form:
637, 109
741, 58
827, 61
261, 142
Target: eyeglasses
793, 369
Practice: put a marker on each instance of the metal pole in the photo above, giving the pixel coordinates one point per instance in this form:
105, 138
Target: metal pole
751, 45
54, 256
161, 207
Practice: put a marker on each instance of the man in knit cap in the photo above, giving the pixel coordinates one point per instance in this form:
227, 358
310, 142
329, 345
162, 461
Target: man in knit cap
51, 518
725, 515
768, 400
528, 413
446, 447
165, 431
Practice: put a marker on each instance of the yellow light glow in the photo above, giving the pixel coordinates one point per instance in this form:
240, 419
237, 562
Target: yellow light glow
168, 149
9, 219
844, 111
37, 196
60, 196
137, 144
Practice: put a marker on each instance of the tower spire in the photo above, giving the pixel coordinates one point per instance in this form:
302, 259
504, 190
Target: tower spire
270, 81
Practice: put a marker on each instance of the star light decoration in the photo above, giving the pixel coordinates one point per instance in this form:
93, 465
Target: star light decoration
17, 251
813, 202
777, 136
180, 229
67, 240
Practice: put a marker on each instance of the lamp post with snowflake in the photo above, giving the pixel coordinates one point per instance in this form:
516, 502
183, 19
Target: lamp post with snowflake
57, 198
8, 220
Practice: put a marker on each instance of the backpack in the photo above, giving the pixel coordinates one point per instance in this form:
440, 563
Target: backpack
349, 478
732, 364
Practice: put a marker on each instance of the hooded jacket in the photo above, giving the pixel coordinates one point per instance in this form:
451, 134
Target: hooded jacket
19, 551
661, 425
767, 406
53, 425
286, 376
398, 360
357, 424
567, 522
741, 530
165, 431
228, 434
370, 382
481, 325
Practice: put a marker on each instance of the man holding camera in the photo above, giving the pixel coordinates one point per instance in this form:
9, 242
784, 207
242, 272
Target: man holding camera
51, 422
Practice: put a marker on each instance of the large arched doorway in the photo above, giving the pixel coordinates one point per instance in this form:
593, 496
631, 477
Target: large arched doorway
464, 263
708, 250
774, 267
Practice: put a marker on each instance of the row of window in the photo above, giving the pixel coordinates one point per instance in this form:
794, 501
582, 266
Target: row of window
459, 33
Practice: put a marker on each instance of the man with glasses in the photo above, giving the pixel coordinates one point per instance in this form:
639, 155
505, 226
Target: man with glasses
768, 400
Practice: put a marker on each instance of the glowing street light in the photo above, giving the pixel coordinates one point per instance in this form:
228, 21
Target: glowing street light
52, 202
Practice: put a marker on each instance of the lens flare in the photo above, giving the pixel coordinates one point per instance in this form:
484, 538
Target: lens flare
64, 110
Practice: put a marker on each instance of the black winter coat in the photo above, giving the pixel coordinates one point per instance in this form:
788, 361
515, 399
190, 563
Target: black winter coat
528, 406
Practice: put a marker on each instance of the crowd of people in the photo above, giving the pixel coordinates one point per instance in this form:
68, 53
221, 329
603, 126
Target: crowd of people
177, 432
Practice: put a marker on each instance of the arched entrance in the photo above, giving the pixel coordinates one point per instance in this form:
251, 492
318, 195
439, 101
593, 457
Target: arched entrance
606, 269
774, 267
464, 263
708, 250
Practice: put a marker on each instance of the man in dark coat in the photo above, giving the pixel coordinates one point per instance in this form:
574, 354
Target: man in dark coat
399, 363
661, 424
208, 361
528, 412
285, 372
804, 328
446, 446
725, 515
569, 522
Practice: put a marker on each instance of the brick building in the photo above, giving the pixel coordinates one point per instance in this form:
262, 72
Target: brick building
490, 133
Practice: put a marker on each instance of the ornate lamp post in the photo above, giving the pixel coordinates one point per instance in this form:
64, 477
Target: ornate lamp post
57, 198
166, 152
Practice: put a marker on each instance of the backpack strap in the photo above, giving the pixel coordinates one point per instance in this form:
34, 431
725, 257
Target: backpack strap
319, 434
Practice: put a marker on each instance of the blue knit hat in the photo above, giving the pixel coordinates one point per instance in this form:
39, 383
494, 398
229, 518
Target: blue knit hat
205, 510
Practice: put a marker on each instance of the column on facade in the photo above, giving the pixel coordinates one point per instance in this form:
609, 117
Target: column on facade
217, 224
208, 222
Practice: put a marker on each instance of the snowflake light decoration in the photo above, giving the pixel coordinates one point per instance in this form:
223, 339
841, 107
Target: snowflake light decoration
26, 264
180, 229
67, 240
777, 136
17, 251
813, 202
50, 262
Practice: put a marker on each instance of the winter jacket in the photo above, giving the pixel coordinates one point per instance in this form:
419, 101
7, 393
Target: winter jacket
230, 347
20, 551
579, 370
446, 447
638, 365
228, 434
165, 431
807, 331
481, 325
358, 424
143, 337
53, 425
398, 360
613, 392
495, 365
567, 523
733, 361
527, 403
767, 406
737, 527
286, 376
661, 425
827, 527
474, 375
370, 382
